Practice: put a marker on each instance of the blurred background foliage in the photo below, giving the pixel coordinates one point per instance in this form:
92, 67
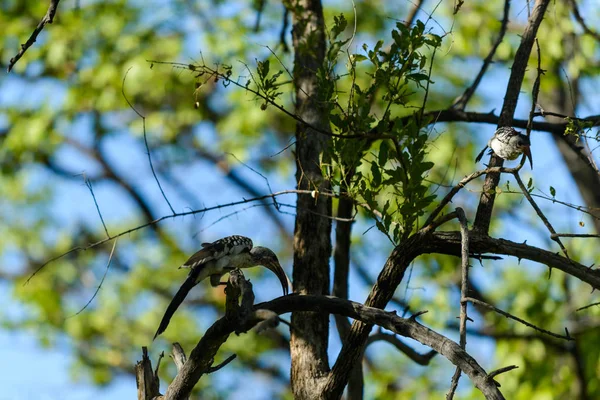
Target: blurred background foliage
64, 121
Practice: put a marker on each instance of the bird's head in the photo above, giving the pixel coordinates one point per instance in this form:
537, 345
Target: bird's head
265, 257
523, 144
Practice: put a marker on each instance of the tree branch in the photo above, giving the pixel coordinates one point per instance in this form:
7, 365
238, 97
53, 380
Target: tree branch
202, 356
47, 19
406, 327
464, 266
449, 243
461, 102
488, 195
421, 359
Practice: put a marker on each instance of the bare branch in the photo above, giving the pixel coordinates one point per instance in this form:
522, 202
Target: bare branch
540, 214
461, 102
581, 21
502, 370
588, 306
47, 19
575, 235
101, 281
421, 359
448, 198
88, 183
536, 89
389, 320
449, 243
508, 315
202, 356
166, 217
464, 254
145, 141
223, 364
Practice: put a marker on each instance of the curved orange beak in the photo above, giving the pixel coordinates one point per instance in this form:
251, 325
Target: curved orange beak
527, 153
278, 270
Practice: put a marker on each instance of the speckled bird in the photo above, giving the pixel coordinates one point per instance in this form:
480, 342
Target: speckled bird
218, 258
507, 143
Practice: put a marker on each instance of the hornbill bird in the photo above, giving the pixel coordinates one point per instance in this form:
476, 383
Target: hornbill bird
218, 258
507, 143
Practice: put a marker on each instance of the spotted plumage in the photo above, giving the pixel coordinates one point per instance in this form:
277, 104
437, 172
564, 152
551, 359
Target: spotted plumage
218, 258
507, 143
226, 247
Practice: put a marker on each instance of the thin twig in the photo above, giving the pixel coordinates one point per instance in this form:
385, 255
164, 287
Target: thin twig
502, 370
88, 183
464, 265
47, 19
507, 315
540, 214
355, 24
160, 357
145, 141
543, 196
461, 102
422, 111
394, 340
166, 217
588, 306
459, 186
578, 235
581, 21
259, 174
101, 281
223, 364
536, 90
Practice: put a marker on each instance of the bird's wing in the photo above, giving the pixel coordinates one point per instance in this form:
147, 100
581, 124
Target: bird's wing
219, 250
229, 245
189, 283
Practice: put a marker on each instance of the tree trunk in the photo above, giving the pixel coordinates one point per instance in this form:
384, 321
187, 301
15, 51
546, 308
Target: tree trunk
312, 242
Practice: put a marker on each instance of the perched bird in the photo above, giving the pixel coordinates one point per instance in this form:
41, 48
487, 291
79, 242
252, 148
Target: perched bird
218, 258
508, 144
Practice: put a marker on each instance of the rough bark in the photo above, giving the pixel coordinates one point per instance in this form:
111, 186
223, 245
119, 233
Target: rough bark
312, 243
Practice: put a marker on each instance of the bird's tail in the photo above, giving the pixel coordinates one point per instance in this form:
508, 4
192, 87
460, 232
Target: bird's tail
189, 283
481, 154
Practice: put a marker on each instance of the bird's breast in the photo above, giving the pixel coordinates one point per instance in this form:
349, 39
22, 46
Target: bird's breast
504, 150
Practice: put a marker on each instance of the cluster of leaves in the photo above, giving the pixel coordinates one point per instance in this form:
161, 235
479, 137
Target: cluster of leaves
378, 155
579, 128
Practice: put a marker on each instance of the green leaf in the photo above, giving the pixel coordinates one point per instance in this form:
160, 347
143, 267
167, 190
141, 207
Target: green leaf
552, 191
339, 25
375, 171
383, 153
